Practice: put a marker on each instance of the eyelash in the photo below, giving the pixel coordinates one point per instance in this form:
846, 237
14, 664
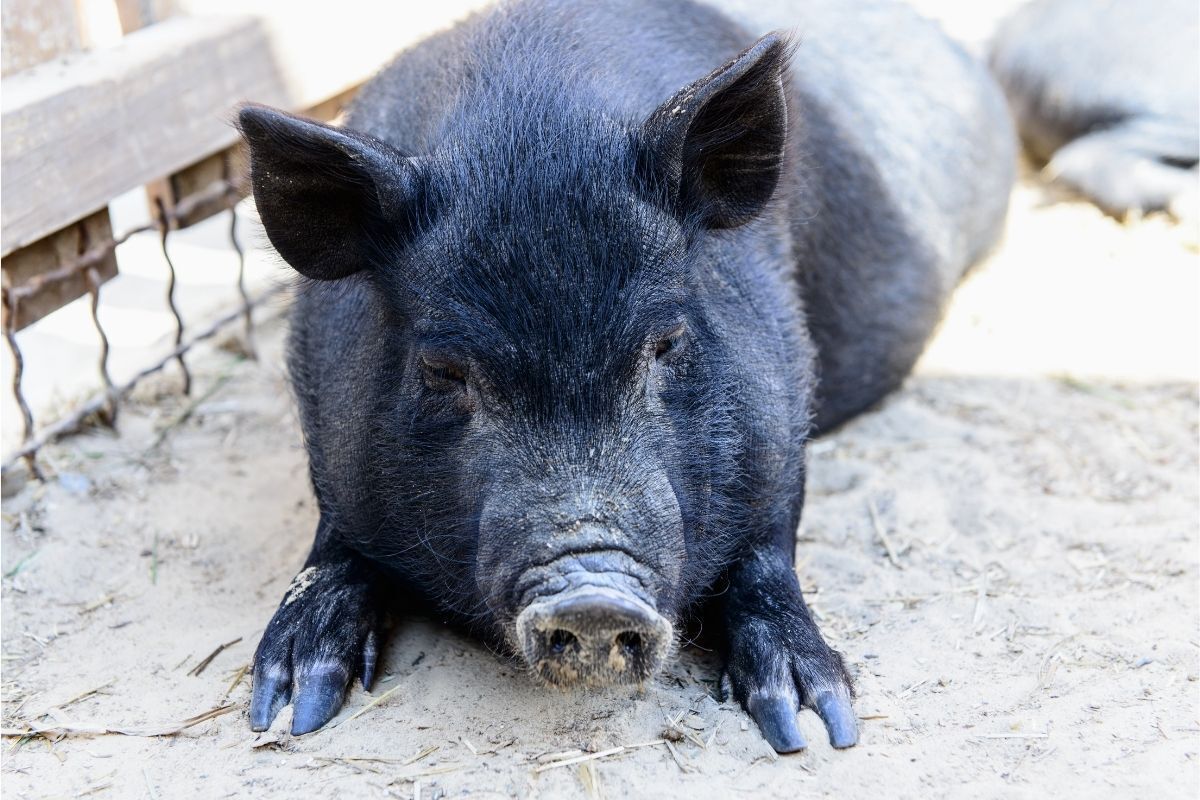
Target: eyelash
445, 373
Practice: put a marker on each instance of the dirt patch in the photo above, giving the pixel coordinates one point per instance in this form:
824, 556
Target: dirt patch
1006, 552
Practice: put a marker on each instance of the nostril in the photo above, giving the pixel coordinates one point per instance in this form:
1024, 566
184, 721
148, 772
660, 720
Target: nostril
560, 641
630, 643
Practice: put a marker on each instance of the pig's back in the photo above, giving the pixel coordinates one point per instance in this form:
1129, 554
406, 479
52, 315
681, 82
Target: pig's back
906, 157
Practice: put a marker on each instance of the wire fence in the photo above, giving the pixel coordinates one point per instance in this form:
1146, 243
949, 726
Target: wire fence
220, 196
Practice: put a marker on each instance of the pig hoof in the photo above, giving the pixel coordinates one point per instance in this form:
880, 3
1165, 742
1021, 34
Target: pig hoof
773, 678
776, 718
323, 634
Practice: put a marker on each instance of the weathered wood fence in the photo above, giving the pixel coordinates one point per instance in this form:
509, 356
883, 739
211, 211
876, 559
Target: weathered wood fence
88, 116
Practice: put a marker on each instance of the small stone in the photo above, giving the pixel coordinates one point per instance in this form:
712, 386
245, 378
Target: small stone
75, 483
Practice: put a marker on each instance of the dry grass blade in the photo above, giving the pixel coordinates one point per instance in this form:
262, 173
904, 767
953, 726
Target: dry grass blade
421, 773
881, 532
241, 673
95, 787
81, 696
590, 780
186, 414
980, 600
1012, 736
196, 670
92, 729
1048, 666
149, 784
364, 759
612, 751
97, 603
680, 761
372, 704
424, 752
403, 762
676, 731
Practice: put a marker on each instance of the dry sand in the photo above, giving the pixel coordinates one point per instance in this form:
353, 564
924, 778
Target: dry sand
1021, 619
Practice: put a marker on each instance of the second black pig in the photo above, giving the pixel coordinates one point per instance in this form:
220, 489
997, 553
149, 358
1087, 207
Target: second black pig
1105, 95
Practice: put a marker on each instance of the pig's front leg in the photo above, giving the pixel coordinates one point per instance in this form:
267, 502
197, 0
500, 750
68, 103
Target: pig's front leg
777, 660
324, 633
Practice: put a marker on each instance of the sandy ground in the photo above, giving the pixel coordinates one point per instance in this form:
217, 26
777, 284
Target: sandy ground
1021, 620
1006, 552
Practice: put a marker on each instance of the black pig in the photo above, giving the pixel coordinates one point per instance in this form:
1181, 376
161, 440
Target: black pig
582, 279
1107, 94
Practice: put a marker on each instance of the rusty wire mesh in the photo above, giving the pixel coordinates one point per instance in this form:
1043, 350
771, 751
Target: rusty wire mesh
222, 196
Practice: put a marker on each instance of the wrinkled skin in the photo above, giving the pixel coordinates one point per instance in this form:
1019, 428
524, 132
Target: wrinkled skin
1104, 93
558, 344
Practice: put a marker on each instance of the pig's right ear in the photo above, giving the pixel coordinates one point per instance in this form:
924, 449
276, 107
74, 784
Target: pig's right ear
717, 146
327, 197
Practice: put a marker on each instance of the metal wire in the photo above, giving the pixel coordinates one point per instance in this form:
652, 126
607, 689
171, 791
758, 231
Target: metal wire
164, 231
74, 421
248, 322
105, 404
10, 333
247, 316
109, 414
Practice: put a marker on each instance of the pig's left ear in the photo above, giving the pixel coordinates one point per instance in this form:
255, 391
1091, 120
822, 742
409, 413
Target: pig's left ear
327, 197
717, 146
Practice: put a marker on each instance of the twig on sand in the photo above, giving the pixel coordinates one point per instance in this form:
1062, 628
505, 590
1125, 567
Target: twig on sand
241, 673
196, 670
422, 754
184, 415
1012, 736
372, 704
403, 762
81, 696
421, 773
980, 601
683, 765
95, 787
590, 780
1048, 666
20, 565
99, 602
149, 785
612, 751
881, 532
93, 729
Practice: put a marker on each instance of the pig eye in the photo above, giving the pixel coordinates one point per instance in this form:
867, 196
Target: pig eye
668, 344
442, 375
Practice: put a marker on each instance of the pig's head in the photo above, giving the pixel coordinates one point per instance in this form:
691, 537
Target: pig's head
554, 436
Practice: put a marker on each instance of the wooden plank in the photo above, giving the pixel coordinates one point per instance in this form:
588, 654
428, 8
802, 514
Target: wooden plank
50, 253
136, 14
228, 165
79, 132
36, 31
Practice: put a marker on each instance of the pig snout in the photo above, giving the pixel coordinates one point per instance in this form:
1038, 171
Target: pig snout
593, 636
591, 619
